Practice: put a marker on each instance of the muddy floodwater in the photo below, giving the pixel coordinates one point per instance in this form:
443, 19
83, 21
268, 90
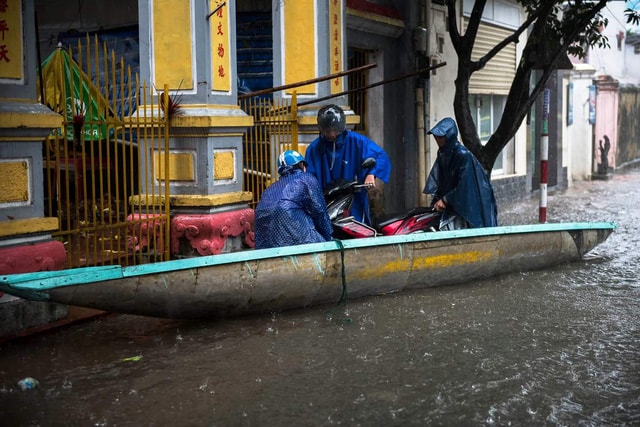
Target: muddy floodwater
553, 347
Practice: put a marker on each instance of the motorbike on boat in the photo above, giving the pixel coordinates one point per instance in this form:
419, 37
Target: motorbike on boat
339, 197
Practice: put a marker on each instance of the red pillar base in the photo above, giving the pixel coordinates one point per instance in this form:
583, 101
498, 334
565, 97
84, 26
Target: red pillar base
208, 234
42, 256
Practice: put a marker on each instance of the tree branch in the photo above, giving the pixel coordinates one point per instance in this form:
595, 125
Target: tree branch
454, 32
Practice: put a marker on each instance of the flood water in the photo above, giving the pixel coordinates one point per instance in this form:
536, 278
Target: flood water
553, 347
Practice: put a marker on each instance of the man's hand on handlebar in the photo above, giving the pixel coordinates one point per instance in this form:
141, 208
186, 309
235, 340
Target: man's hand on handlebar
370, 181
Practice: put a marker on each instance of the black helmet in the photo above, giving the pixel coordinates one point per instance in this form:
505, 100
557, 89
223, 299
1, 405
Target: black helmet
331, 117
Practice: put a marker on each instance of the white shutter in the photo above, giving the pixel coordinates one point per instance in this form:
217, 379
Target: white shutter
497, 75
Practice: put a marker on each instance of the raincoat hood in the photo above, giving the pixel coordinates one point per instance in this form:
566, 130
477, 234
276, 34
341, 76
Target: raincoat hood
285, 170
339, 141
447, 128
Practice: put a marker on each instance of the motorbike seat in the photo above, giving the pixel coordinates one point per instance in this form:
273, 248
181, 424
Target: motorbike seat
390, 218
338, 187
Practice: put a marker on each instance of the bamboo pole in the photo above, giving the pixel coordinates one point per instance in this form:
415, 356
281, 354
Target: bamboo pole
306, 82
383, 82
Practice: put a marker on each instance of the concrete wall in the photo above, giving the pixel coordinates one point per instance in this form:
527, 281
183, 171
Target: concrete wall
392, 120
442, 83
606, 119
632, 62
580, 132
628, 151
60, 16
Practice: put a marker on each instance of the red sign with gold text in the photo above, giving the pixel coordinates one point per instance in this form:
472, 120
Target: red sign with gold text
11, 40
335, 37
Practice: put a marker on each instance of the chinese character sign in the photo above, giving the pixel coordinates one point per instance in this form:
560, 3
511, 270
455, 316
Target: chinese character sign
220, 46
11, 42
335, 44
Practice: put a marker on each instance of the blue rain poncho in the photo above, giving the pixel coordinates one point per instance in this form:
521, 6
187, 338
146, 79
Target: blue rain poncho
292, 211
459, 179
341, 159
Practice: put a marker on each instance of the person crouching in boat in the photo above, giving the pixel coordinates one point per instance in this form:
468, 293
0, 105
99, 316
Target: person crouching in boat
458, 184
292, 210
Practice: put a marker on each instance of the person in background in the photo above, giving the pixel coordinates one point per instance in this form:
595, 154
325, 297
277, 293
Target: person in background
338, 153
458, 184
292, 210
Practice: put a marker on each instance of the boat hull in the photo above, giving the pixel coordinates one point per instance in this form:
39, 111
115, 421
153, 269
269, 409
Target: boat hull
274, 280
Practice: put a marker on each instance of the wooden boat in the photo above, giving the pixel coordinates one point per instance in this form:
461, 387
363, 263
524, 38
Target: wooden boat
272, 280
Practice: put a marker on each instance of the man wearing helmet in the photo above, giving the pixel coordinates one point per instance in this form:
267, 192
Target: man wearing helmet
338, 153
292, 210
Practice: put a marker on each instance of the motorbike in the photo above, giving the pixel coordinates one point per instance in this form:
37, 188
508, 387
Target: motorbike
339, 197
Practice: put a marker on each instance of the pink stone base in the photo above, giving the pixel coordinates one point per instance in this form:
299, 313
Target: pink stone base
146, 230
42, 256
208, 233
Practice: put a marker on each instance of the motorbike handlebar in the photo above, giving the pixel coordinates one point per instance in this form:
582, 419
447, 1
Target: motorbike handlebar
359, 186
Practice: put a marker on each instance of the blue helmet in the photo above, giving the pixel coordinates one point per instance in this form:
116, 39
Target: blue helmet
288, 159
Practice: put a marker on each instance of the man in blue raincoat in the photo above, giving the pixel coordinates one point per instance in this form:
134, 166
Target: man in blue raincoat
338, 153
292, 210
458, 183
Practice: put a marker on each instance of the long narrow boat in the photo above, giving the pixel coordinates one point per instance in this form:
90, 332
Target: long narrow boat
272, 280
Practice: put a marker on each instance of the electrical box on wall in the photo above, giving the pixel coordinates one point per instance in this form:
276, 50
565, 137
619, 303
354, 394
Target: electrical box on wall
420, 39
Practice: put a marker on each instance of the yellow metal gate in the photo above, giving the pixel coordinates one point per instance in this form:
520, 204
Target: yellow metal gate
275, 129
93, 174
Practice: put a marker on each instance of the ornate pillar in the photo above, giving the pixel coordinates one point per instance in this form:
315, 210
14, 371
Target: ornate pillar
192, 48
25, 234
309, 42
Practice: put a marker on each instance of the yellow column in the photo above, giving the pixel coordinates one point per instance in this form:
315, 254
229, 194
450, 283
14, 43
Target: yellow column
300, 39
206, 135
192, 50
24, 123
25, 240
172, 41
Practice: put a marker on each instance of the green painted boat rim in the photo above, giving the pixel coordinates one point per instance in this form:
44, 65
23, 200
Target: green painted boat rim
45, 280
